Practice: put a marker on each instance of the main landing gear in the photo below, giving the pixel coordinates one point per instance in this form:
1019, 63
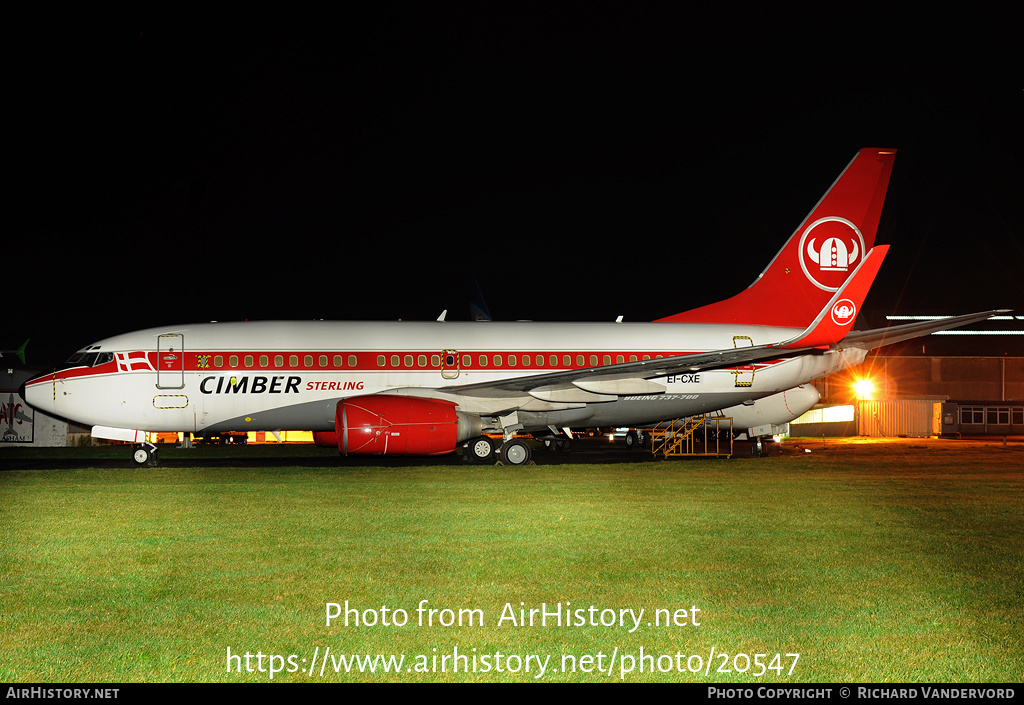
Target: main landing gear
479, 450
483, 451
515, 452
144, 454
759, 448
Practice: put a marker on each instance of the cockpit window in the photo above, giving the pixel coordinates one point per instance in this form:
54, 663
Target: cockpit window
84, 358
81, 359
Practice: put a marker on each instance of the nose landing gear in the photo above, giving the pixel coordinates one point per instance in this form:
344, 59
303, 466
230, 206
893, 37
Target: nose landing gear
144, 454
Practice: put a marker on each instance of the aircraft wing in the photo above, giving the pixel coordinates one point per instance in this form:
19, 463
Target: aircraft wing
630, 377
878, 337
827, 329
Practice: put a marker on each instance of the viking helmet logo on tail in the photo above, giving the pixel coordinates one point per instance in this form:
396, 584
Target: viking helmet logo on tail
834, 250
833, 256
843, 311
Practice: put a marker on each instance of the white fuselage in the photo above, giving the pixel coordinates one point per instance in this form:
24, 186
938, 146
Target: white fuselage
290, 375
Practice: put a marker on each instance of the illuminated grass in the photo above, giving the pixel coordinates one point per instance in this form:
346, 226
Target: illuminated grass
898, 567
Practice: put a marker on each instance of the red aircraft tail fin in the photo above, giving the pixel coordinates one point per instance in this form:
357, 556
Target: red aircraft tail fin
836, 319
816, 261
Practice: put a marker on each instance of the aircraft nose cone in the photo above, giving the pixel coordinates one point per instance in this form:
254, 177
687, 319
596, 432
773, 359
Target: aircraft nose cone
32, 393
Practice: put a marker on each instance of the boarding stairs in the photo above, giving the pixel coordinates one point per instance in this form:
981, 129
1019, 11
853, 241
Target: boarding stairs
693, 436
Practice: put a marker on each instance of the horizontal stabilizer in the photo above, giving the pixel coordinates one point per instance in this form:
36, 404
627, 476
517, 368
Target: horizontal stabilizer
876, 338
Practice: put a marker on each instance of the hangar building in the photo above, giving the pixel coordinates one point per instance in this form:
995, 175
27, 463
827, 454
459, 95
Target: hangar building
968, 382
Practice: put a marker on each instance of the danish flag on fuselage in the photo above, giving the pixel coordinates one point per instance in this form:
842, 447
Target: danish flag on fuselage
134, 361
427, 387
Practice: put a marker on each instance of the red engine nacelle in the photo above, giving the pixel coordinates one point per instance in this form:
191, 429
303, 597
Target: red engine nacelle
394, 425
325, 439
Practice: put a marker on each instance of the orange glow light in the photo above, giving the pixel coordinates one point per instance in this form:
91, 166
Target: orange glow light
864, 388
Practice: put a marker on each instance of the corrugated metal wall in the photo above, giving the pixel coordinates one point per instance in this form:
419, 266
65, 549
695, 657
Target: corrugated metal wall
911, 417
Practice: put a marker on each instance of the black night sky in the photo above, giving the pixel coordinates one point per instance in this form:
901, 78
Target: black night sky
580, 161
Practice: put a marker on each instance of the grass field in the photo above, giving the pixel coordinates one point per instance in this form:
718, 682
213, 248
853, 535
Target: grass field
877, 562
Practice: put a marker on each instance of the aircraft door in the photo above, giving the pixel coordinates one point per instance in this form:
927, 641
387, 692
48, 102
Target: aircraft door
449, 364
741, 373
170, 361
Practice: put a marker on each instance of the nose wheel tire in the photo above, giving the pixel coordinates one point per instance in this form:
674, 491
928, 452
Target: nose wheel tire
144, 455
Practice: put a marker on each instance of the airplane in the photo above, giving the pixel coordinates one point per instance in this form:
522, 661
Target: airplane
429, 387
20, 352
